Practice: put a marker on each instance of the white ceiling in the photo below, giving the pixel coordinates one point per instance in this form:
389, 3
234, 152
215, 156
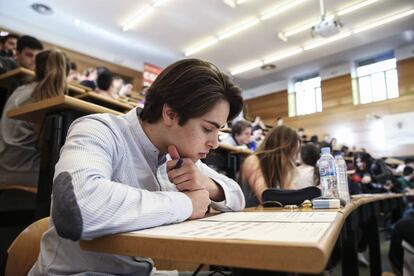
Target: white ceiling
162, 36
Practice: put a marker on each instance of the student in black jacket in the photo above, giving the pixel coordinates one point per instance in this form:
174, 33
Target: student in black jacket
27, 49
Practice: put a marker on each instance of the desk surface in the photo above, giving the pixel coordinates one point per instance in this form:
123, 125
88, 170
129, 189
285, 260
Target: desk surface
6, 77
105, 101
35, 112
308, 257
232, 149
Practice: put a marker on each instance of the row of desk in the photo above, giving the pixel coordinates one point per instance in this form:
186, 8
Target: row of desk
284, 254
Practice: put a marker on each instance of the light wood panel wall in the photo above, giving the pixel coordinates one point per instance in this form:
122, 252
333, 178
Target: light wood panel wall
405, 69
354, 125
335, 92
268, 107
83, 62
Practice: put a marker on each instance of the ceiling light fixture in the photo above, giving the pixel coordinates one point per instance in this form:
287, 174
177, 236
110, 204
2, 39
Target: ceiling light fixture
383, 21
141, 13
246, 67
280, 9
238, 29
321, 42
200, 46
307, 26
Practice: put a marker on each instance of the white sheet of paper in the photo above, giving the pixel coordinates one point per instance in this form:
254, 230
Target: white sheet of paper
255, 231
274, 216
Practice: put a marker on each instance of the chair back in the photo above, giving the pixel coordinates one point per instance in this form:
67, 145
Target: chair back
24, 250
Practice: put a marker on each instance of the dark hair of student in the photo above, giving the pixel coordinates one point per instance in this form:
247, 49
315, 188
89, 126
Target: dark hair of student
365, 158
7, 37
277, 155
310, 156
239, 127
104, 80
52, 68
408, 161
314, 139
191, 87
30, 42
407, 170
73, 66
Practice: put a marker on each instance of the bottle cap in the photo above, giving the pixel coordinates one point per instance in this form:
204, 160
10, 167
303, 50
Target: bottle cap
326, 150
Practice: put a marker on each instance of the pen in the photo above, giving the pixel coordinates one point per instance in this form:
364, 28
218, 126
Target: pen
178, 164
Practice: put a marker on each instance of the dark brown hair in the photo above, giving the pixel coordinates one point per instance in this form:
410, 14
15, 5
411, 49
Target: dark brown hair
191, 87
277, 154
239, 127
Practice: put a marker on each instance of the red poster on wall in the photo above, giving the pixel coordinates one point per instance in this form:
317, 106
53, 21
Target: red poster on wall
150, 74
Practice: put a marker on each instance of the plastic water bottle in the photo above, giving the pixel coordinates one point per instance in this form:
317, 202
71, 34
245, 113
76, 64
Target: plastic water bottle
341, 178
328, 174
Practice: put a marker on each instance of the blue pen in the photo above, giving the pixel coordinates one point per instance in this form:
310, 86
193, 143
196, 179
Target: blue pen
178, 164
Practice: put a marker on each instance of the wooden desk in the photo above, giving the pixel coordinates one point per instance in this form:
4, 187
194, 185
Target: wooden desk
35, 112
97, 98
21, 72
310, 257
7, 77
280, 256
56, 114
235, 150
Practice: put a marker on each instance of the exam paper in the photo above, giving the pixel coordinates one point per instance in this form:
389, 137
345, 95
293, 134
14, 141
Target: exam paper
298, 232
274, 216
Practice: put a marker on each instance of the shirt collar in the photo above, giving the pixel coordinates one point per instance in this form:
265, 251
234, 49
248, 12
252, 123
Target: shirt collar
150, 151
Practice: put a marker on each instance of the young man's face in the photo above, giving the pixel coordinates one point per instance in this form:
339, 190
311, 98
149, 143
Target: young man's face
26, 58
244, 137
11, 44
198, 136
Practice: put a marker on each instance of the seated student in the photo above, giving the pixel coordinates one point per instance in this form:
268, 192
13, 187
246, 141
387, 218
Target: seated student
307, 173
241, 133
273, 163
104, 85
27, 49
19, 155
405, 181
106, 178
73, 73
89, 78
8, 45
403, 231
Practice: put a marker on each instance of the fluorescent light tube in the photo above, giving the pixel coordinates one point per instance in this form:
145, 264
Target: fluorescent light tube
383, 21
282, 55
356, 7
321, 42
201, 46
238, 29
137, 17
280, 9
246, 67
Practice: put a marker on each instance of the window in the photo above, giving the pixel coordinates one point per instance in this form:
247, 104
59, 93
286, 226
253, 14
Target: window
306, 96
377, 79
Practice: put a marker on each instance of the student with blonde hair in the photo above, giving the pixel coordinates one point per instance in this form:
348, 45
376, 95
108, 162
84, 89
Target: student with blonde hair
19, 155
273, 163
